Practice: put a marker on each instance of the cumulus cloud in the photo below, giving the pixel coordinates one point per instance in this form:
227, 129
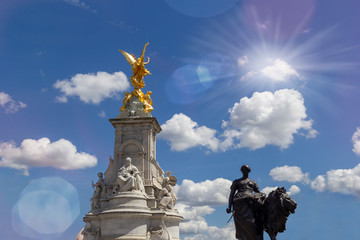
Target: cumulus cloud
279, 71
9, 104
195, 200
92, 88
319, 183
215, 192
61, 154
291, 174
356, 141
291, 191
215, 233
194, 222
193, 226
267, 119
192, 212
268, 190
294, 190
183, 133
345, 181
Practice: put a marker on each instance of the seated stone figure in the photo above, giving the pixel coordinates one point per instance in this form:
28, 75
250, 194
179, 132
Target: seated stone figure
167, 198
129, 178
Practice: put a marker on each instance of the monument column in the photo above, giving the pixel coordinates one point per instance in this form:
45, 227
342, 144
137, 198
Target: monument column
135, 138
134, 201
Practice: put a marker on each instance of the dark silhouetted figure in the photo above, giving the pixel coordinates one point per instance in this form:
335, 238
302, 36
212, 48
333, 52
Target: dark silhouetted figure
246, 201
253, 212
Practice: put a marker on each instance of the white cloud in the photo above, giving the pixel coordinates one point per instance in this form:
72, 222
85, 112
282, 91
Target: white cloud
294, 190
9, 104
319, 183
290, 174
61, 99
243, 60
215, 233
183, 133
215, 192
267, 119
280, 71
248, 76
193, 218
195, 200
61, 154
102, 114
291, 191
356, 141
264, 119
92, 88
268, 190
193, 226
193, 212
345, 181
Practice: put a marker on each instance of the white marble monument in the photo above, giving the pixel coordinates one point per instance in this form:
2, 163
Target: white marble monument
134, 201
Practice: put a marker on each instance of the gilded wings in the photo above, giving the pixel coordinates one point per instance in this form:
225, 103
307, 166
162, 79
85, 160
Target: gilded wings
139, 72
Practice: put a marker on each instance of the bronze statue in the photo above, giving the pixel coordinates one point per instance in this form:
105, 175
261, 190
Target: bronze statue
253, 212
277, 207
246, 200
139, 72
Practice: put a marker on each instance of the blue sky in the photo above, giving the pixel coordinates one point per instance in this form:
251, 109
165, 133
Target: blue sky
269, 83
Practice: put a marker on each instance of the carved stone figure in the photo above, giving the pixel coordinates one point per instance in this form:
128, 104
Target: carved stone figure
253, 212
169, 179
166, 198
90, 234
99, 190
278, 206
159, 233
246, 200
129, 178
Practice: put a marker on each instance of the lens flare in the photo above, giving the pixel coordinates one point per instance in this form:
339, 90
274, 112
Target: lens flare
191, 82
46, 208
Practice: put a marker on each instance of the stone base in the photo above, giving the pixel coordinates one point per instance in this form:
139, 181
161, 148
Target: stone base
126, 216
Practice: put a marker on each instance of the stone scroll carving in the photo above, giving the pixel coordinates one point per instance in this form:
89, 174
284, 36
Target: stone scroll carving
128, 179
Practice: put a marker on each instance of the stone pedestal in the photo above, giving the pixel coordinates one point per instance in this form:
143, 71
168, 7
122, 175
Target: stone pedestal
133, 214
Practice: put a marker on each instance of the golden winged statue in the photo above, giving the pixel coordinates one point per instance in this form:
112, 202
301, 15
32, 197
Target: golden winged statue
139, 72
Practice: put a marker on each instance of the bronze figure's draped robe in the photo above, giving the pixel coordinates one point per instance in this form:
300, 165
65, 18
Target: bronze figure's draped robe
246, 203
